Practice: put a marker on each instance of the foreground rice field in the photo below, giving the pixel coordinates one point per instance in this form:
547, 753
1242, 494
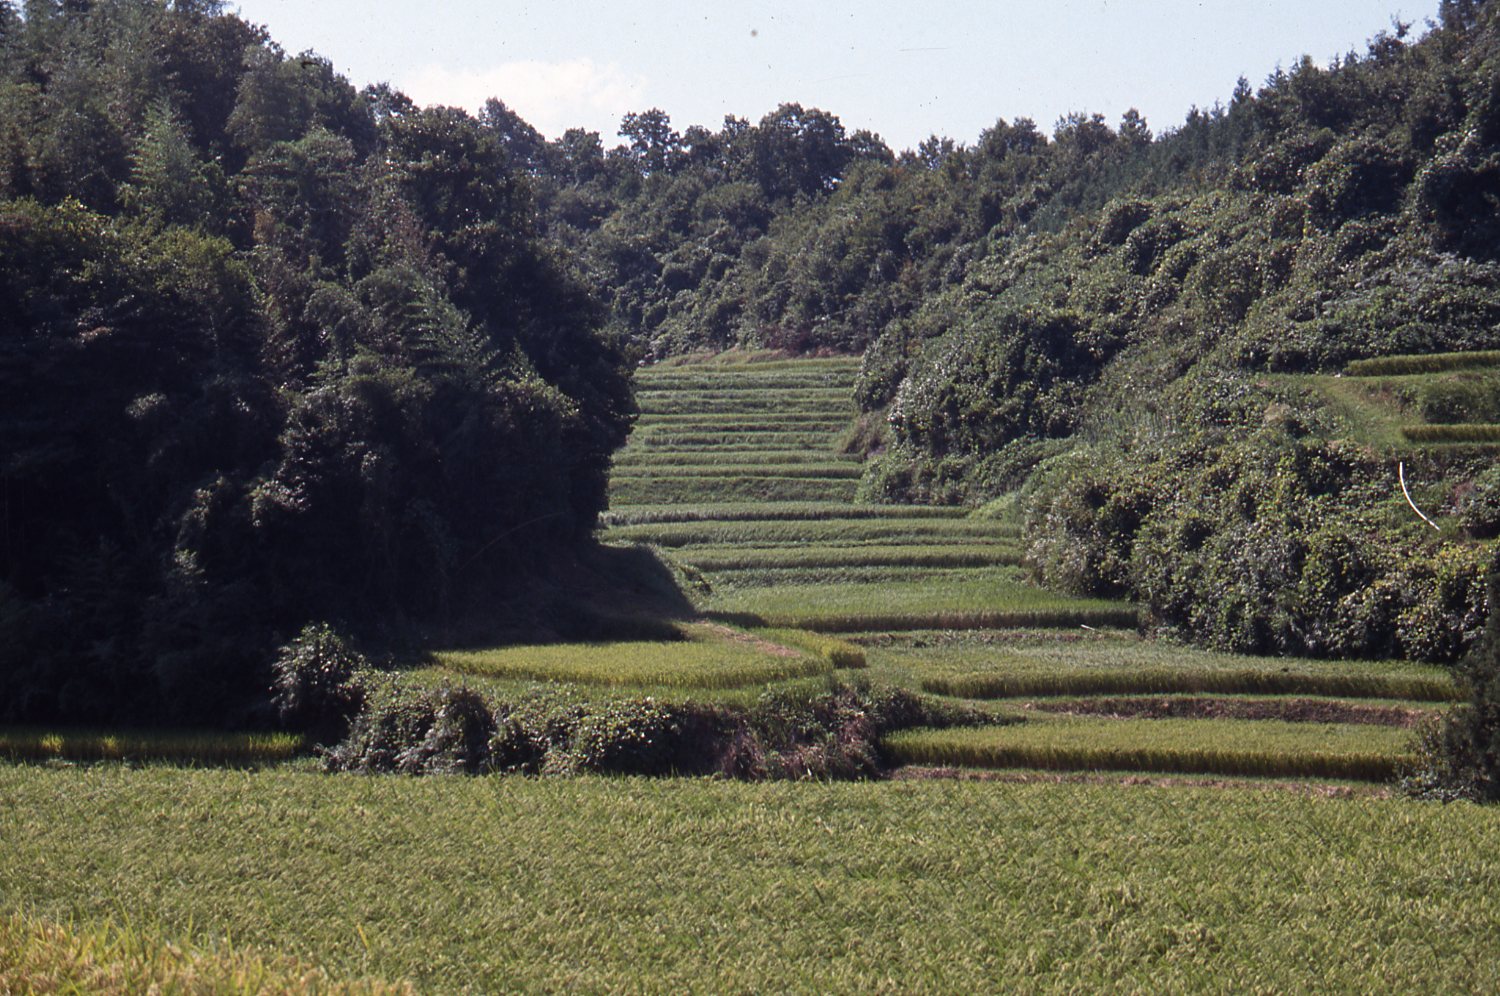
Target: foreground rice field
628, 885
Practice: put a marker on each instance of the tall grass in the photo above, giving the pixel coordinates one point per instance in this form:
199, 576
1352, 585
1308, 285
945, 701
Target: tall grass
1395, 366
194, 747
1208, 746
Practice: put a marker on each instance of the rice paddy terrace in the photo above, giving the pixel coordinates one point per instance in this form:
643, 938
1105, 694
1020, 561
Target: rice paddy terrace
736, 472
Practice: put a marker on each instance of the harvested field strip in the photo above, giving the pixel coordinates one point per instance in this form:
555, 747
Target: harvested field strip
1346, 684
1456, 433
770, 512
1420, 363
830, 471
813, 530
183, 747
1288, 710
701, 489
1206, 746
753, 558
697, 663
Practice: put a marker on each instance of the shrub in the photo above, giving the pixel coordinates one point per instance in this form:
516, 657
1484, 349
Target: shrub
1460, 758
318, 686
1480, 509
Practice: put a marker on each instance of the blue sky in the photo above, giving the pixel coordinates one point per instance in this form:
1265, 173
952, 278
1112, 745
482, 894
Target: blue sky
904, 70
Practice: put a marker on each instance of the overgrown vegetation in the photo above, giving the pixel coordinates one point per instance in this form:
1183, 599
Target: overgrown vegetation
272, 350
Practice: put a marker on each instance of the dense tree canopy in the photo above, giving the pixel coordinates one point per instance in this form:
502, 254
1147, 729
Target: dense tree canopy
271, 349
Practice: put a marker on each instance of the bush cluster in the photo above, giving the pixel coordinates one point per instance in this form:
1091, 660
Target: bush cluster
1269, 545
828, 733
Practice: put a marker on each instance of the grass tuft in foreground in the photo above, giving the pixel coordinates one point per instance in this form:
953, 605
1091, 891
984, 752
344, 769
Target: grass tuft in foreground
40, 957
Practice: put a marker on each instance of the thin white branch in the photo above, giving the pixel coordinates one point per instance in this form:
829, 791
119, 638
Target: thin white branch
1401, 471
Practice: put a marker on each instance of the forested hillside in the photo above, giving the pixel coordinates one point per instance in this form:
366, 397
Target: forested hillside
1140, 333
272, 349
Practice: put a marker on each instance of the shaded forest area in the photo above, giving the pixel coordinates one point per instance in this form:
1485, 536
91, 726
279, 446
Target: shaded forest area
274, 349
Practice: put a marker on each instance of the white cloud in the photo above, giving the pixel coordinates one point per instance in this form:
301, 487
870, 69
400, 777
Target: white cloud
552, 96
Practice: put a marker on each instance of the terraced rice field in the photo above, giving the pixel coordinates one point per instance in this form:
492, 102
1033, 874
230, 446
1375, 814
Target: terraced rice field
735, 472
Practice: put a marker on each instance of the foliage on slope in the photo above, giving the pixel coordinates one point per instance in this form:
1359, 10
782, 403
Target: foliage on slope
272, 349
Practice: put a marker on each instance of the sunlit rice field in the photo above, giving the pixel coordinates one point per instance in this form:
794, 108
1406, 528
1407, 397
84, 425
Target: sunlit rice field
1210, 746
680, 885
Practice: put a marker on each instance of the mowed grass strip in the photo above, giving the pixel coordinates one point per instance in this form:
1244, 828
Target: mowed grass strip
680, 885
1453, 433
980, 600
714, 558
712, 512
1422, 363
693, 490
810, 527
179, 746
41, 957
1186, 681
701, 664
1269, 748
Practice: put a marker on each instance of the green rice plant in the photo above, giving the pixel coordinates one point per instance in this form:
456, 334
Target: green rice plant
769, 512
809, 471
889, 531
41, 957
990, 599
1348, 684
1386, 366
771, 577
840, 653
781, 458
790, 381
1487, 433
743, 422
694, 490
705, 440
605, 884
702, 662
178, 746
1268, 748
829, 405
732, 558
